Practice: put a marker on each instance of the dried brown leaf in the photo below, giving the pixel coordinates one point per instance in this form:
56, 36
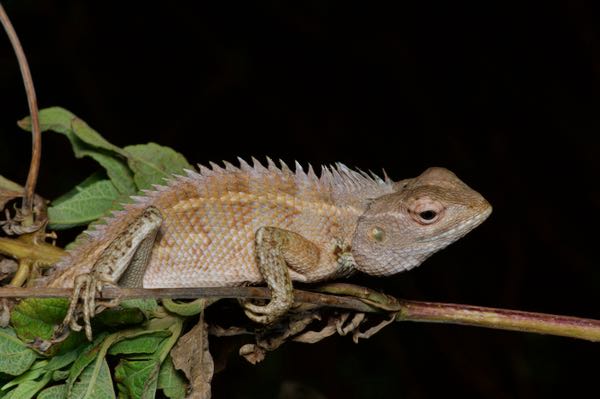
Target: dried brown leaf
7, 266
373, 330
191, 355
8, 195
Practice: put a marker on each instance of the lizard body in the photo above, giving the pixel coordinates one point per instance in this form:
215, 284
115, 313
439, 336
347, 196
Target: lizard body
251, 224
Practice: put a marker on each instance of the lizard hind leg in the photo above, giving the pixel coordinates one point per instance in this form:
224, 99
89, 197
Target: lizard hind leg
277, 250
124, 261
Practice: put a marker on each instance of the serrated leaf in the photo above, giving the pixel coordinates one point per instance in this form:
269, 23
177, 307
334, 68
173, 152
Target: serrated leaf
94, 383
55, 392
171, 381
142, 344
28, 389
89, 204
15, 356
152, 163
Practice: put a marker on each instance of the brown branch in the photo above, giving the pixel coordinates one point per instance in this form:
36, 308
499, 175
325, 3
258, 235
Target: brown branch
502, 319
191, 293
36, 151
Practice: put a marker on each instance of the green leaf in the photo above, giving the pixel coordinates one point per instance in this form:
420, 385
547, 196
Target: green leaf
59, 361
36, 317
87, 142
120, 317
94, 355
116, 169
91, 179
59, 375
55, 392
54, 118
65, 122
32, 374
186, 308
137, 376
15, 356
152, 163
171, 381
143, 344
89, 204
28, 389
87, 356
94, 383
145, 305
92, 137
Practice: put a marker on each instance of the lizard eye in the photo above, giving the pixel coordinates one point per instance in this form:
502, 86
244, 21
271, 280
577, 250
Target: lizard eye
377, 234
426, 211
428, 215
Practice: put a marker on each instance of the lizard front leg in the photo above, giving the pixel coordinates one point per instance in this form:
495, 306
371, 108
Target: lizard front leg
278, 251
123, 261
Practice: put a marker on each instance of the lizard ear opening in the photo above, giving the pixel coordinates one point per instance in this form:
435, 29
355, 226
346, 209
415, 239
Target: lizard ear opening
377, 234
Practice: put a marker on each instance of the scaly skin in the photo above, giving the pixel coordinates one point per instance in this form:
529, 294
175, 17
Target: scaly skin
232, 226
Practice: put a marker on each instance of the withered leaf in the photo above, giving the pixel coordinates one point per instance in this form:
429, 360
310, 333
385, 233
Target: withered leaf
8, 195
191, 355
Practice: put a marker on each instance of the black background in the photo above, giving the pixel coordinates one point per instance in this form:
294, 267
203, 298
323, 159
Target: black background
504, 93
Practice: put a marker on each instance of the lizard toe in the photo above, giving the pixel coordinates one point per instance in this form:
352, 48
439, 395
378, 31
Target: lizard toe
74, 326
268, 313
257, 318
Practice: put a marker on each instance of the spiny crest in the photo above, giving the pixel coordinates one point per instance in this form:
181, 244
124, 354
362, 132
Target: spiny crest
338, 177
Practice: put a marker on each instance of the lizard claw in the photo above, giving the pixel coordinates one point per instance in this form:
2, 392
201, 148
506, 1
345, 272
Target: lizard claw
86, 287
266, 314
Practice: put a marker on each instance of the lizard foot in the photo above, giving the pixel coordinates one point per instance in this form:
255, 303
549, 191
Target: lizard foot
266, 314
87, 286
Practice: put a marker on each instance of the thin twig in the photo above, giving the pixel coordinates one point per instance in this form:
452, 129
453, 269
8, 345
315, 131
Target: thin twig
501, 319
36, 151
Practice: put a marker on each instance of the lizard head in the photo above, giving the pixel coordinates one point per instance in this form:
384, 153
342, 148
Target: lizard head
400, 230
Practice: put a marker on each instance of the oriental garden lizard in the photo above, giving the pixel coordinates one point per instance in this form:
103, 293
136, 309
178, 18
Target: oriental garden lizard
228, 226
